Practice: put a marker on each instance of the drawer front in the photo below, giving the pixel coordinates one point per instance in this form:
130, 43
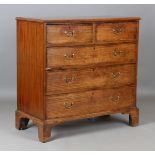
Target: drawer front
115, 54
90, 78
61, 34
76, 56
90, 102
117, 31
69, 56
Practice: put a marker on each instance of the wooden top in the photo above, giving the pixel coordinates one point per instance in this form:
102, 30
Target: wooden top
75, 19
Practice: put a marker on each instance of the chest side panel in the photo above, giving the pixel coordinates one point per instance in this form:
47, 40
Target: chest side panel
30, 68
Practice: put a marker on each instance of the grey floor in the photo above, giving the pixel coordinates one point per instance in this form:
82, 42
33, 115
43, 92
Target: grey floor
100, 134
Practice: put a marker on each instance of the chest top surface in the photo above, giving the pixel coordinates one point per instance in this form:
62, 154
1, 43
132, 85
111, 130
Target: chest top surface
79, 19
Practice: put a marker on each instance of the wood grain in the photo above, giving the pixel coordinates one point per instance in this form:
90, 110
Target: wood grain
30, 68
90, 102
77, 56
44, 132
80, 20
134, 117
69, 69
106, 31
62, 34
92, 78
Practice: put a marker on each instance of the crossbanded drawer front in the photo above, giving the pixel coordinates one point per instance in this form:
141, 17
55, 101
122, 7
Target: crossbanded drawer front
62, 34
77, 56
123, 31
90, 78
88, 102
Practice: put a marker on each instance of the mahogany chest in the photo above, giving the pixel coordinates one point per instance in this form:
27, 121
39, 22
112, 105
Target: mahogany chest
74, 69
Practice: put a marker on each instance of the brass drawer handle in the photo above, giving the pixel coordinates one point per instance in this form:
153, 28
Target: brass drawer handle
69, 79
68, 105
69, 33
115, 98
69, 56
117, 52
47, 69
117, 29
116, 74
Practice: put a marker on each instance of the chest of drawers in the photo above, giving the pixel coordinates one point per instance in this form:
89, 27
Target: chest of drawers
75, 69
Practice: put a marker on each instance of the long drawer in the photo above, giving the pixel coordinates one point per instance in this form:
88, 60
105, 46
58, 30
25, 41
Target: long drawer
77, 56
74, 80
88, 102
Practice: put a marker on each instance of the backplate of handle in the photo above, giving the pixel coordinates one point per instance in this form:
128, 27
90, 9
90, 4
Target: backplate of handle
117, 29
116, 74
117, 52
69, 56
115, 98
68, 105
68, 79
69, 33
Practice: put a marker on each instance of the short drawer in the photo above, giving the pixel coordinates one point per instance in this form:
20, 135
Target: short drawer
123, 31
76, 56
90, 78
90, 102
62, 34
